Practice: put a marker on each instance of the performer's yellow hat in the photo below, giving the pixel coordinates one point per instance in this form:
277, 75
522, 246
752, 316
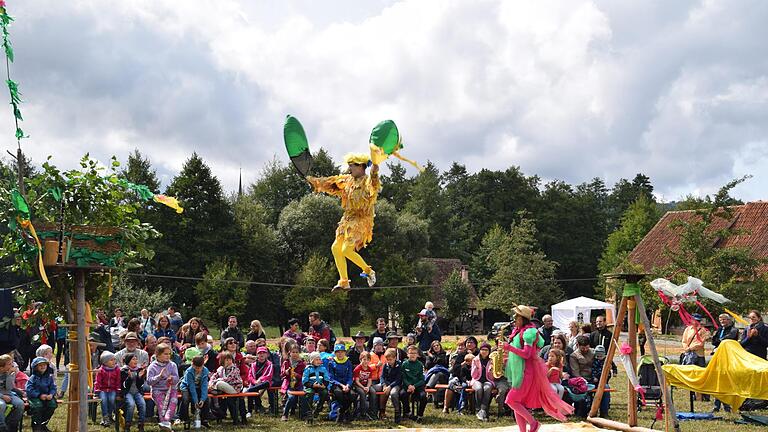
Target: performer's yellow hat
357, 158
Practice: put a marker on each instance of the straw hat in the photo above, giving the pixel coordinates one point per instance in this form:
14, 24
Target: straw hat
524, 311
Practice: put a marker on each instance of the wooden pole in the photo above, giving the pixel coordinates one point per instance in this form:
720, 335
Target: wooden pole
82, 352
670, 415
609, 358
72, 416
632, 336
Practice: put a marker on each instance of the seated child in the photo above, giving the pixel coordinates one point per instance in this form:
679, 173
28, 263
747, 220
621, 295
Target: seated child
461, 375
107, 385
390, 384
260, 377
194, 389
414, 386
41, 392
8, 398
363, 377
162, 377
555, 367
316, 381
597, 370
292, 372
132, 378
341, 382
227, 380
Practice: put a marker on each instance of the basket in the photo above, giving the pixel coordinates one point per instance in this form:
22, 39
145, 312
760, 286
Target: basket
84, 245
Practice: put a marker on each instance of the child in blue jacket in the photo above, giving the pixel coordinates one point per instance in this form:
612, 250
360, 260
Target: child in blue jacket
316, 381
341, 369
41, 393
194, 389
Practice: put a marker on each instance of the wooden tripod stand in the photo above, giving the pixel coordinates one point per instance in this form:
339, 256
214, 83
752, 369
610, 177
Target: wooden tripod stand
632, 304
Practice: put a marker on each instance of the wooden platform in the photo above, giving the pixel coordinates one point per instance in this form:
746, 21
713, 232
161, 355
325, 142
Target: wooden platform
552, 427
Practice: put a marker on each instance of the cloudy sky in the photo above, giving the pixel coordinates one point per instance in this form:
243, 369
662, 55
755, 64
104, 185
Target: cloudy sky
567, 90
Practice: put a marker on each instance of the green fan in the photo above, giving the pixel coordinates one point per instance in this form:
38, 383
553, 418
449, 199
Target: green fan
297, 145
386, 136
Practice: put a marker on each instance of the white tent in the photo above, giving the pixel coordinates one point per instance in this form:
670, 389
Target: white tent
579, 309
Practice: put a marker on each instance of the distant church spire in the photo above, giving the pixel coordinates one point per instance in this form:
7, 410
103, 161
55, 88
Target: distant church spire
240, 185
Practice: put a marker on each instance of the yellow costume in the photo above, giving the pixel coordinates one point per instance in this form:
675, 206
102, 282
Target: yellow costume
355, 230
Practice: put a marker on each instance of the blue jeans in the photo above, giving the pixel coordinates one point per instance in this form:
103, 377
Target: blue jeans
135, 400
17, 410
107, 403
291, 403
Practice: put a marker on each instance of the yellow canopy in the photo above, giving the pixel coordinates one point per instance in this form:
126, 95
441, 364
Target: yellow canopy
733, 375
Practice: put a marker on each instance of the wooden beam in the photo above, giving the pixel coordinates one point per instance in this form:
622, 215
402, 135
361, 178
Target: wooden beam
670, 414
610, 424
609, 358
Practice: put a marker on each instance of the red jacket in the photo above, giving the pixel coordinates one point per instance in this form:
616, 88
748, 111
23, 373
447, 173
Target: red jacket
107, 380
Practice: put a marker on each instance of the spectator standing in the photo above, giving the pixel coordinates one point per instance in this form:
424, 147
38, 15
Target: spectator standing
148, 324
755, 339
726, 330
426, 333
393, 340
360, 340
233, 332
164, 329
294, 331
174, 318
694, 338
319, 329
256, 331
601, 335
547, 329
573, 332
118, 320
380, 332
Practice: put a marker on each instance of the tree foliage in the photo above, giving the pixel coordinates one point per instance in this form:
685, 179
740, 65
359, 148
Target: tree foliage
522, 274
456, 293
218, 298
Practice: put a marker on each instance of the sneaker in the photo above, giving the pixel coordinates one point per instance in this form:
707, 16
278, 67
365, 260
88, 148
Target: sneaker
283, 418
178, 422
248, 415
371, 276
480, 415
165, 426
342, 285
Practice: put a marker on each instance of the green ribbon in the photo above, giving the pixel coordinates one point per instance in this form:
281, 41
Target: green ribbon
143, 191
631, 289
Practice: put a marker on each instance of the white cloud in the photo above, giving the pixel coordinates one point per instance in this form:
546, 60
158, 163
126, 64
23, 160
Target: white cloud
566, 90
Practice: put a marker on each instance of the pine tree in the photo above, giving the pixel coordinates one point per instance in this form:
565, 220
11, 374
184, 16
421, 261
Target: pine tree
206, 231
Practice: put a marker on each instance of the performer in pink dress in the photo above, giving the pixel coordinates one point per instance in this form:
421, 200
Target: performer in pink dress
527, 375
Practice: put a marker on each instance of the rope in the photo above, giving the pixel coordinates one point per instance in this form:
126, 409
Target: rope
284, 285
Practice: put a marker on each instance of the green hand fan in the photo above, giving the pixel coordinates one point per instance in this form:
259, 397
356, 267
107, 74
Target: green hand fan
297, 145
386, 136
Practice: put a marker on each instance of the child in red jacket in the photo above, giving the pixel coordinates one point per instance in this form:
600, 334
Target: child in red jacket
107, 385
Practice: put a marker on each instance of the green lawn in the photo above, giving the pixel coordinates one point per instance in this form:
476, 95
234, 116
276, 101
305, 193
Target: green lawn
436, 419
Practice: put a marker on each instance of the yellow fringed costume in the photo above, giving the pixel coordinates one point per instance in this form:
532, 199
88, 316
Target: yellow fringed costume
355, 229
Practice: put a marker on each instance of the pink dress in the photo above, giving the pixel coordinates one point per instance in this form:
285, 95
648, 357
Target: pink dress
534, 390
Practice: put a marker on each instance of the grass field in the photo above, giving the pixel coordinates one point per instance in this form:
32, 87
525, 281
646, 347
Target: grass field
436, 419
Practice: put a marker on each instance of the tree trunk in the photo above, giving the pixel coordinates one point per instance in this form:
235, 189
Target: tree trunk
345, 327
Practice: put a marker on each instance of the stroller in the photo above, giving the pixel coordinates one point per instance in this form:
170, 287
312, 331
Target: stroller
646, 374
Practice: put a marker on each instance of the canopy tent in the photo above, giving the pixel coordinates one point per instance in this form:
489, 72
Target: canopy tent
579, 309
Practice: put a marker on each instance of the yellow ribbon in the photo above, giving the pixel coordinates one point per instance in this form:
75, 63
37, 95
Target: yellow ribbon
27, 224
737, 317
417, 166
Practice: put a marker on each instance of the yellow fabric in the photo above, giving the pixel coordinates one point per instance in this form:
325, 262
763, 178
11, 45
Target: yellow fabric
737, 317
355, 229
732, 375
169, 201
377, 154
356, 158
27, 224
